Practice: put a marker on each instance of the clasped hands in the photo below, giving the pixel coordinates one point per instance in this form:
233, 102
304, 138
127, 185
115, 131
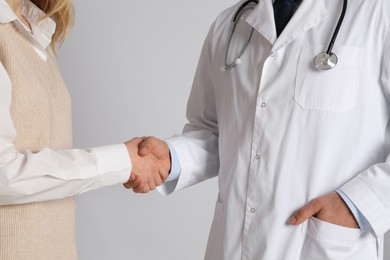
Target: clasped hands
151, 163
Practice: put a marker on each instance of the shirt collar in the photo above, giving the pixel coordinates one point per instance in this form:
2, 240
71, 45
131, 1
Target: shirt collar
42, 30
6, 13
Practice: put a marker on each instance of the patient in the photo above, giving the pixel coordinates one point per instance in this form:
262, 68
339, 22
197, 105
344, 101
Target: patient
39, 170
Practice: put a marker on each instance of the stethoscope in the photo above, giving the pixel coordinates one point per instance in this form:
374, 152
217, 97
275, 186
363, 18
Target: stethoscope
324, 61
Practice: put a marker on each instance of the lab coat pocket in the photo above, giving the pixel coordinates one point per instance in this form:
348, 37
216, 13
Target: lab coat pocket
215, 236
326, 241
333, 90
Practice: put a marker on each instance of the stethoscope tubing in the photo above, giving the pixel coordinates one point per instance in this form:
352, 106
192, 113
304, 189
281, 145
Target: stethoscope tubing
338, 26
239, 12
326, 57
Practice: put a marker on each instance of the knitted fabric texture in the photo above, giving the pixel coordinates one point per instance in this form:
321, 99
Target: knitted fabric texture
42, 118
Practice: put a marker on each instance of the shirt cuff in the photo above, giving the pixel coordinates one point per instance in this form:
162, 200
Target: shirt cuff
360, 219
113, 164
175, 165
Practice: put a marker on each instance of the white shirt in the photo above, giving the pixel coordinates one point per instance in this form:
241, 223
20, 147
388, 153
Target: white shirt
279, 133
47, 175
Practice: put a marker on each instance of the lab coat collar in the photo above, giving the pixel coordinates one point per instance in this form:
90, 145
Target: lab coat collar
309, 14
262, 20
43, 30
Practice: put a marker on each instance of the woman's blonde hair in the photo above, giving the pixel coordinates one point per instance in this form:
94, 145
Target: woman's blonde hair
61, 11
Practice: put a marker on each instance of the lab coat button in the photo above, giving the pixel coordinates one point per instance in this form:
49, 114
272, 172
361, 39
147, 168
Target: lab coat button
257, 157
253, 210
273, 55
263, 104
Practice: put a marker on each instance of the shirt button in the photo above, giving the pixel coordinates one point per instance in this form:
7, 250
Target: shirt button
257, 157
273, 55
263, 104
253, 210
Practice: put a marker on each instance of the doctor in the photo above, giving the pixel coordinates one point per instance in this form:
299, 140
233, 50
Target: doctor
301, 154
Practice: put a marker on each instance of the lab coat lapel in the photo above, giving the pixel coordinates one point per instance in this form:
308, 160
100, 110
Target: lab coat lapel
309, 14
262, 20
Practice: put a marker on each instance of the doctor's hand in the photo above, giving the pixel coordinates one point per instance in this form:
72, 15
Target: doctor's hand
151, 146
330, 208
157, 149
147, 171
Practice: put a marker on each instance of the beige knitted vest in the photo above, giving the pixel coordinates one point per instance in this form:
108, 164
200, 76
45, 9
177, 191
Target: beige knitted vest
42, 118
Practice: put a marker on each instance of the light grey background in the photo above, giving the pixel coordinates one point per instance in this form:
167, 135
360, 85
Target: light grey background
129, 66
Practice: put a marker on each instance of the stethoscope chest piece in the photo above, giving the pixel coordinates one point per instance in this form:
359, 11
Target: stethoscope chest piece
325, 61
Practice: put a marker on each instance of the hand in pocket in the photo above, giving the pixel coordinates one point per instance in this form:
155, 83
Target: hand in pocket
330, 208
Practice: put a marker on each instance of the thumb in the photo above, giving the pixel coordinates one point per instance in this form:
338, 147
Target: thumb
145, 147
137, 140
305, 212
133, 143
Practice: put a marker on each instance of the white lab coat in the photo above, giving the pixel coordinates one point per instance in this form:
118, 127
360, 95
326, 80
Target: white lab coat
278, 133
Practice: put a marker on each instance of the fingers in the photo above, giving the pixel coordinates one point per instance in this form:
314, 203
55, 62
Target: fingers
142, 188
157, 179
148, 185
310, 209
152, 185
150, 159
132, 182
163, 173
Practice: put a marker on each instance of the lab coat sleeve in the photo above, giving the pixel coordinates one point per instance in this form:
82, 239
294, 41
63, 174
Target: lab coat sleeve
47, 175
370, 190
197, 147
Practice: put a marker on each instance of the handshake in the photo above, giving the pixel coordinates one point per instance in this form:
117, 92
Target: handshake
151, 163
